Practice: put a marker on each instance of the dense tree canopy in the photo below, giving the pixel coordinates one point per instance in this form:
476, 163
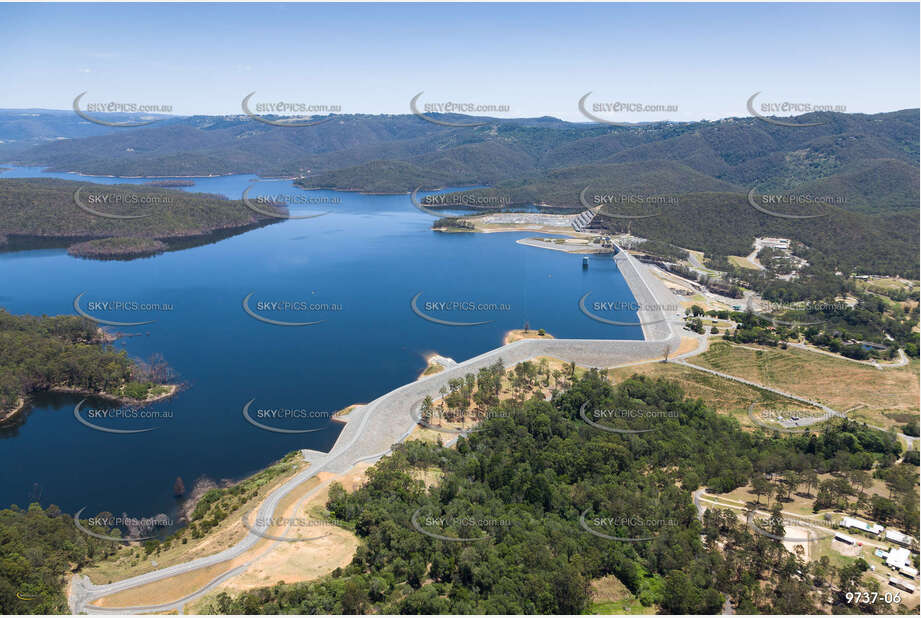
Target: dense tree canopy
517, 490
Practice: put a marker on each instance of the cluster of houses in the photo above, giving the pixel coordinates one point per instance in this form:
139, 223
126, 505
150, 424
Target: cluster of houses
782, 245
898, 557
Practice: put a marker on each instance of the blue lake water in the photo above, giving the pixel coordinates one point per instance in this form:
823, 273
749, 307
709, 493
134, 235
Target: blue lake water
364, 261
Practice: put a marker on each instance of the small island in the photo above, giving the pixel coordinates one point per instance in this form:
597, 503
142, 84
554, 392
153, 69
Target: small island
120, 247
525, 333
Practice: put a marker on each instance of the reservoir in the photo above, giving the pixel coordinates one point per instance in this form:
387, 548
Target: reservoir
353, 271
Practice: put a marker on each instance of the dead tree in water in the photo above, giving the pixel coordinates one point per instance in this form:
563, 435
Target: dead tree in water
155, 369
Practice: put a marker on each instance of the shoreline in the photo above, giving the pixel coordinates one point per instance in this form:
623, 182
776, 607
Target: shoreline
16, 242
171, 389
572, 248
435, 363
104, 337
25, 401
371, 430
363, 192
52, 171
338, 415
20, 405
517, 334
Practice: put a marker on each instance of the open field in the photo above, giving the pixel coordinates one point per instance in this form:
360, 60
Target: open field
724, 396
887, 283
742, 262
801, 503
887, 397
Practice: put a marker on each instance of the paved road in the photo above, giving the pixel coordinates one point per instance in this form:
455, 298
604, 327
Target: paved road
372, 430
700, 508
699, 267
753, 258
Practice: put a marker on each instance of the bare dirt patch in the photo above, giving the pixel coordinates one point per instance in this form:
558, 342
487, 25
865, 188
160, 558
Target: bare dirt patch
517, 334
298, 562
165, 590
132, 560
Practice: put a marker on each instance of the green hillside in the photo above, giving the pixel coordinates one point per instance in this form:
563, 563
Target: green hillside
47, 210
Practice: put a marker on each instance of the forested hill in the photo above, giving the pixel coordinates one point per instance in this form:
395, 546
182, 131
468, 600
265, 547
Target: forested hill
49, 209
865, 167
39, 353
38, 549
517, 489
390, 153
840, 240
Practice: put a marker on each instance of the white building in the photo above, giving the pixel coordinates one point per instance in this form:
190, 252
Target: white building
898, 558
895, 582
870, 528
840, 536
898, 538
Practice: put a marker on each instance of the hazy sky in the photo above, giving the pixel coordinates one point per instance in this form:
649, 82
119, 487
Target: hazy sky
538, 59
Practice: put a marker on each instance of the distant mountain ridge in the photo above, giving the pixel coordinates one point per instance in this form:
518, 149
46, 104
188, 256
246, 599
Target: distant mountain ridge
867, 164
397, 153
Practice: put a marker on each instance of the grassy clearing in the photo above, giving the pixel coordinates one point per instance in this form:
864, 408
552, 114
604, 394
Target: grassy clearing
801, 503
424, 434
433, 368
887, 397
724, 396
887, 283
741, 262
519, 333
611, 597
